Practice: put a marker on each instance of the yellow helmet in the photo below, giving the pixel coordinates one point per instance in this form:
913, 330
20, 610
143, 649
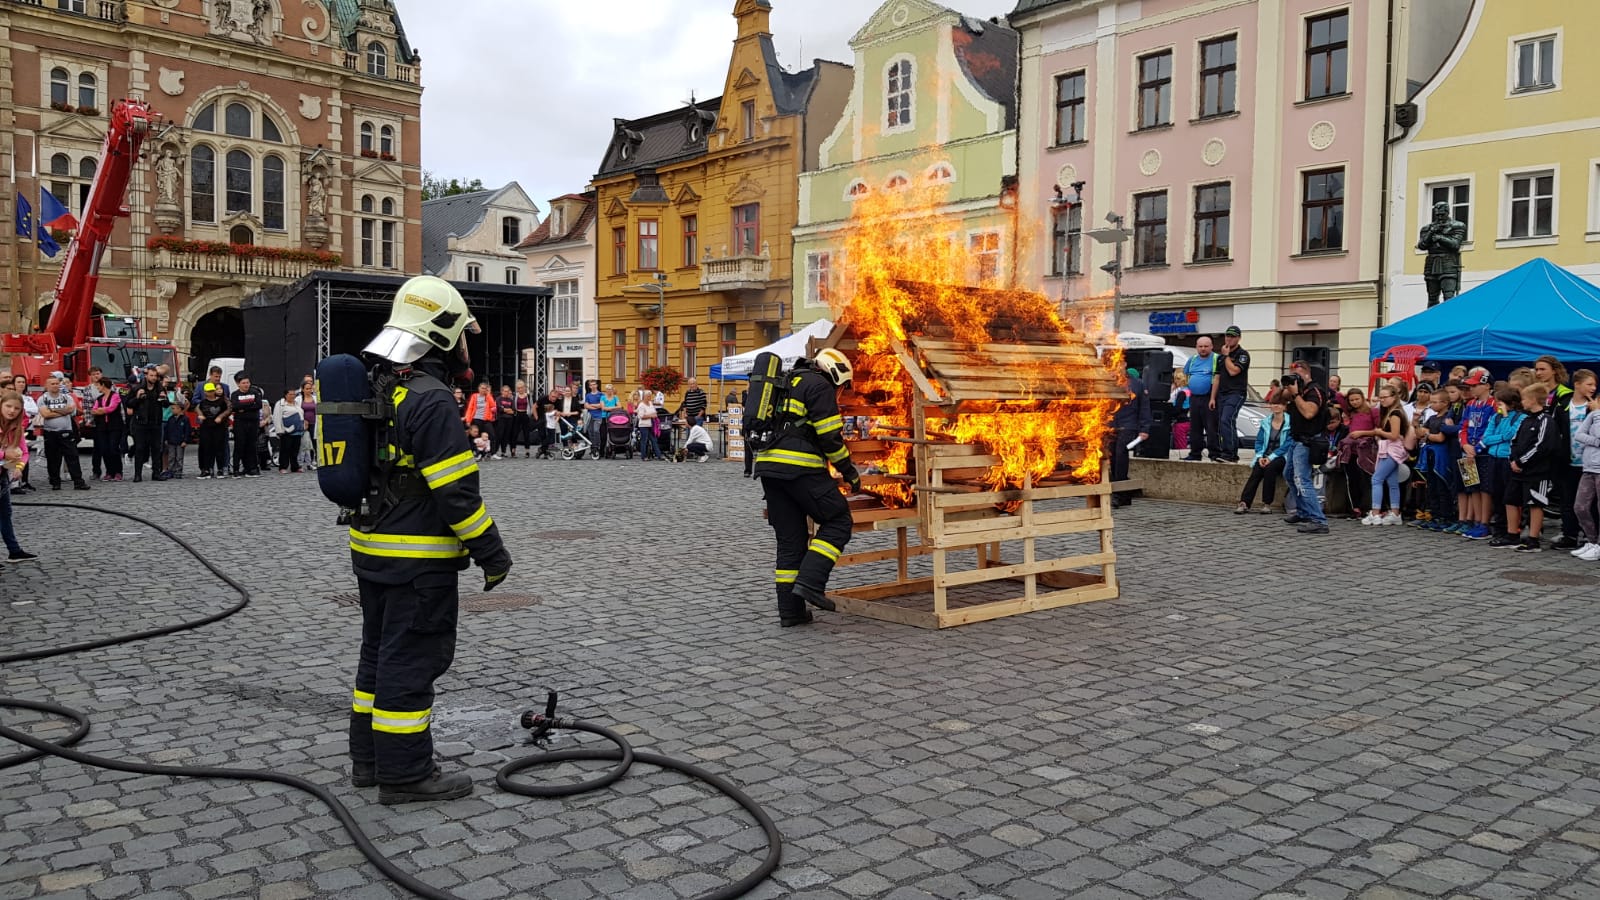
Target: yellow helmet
428, 313
833, 364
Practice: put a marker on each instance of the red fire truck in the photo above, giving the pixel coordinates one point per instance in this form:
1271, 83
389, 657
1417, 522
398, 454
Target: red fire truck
75, 340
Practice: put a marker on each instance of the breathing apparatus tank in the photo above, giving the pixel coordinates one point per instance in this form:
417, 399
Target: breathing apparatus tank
348, 412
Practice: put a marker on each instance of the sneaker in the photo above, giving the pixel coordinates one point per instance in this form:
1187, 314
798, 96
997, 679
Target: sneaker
1393, 518
21, 556
497, 456
1241, 509
1529, 545
1584, 549
1565, 543
1372, 519
1477, 533
1590, 553
205, 476
1313, 528
1502, 541
1293, 519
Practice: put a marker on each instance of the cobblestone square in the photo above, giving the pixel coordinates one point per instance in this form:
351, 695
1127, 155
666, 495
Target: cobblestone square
1379, 713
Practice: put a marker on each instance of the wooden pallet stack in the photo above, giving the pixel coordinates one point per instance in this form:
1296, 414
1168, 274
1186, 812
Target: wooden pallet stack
947, 495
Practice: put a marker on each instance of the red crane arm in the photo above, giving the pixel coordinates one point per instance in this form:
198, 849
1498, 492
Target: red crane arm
107, 202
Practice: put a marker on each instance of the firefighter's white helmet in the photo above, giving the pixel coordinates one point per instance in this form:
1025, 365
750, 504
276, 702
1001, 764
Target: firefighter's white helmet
833, 364
428, 313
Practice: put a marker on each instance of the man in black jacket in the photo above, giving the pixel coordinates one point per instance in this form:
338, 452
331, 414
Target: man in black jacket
1132, 423
146, 400
249, 412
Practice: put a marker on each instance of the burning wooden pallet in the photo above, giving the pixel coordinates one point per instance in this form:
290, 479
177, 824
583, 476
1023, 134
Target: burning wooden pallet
929, 394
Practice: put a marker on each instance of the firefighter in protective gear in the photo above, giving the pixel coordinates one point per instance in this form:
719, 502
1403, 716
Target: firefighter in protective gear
428, 522
797, 486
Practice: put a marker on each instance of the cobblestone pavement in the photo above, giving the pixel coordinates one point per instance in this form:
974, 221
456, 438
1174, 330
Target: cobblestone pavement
1379, 713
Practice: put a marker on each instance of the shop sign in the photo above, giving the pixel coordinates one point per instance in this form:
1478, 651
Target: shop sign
1179, 321
567, 348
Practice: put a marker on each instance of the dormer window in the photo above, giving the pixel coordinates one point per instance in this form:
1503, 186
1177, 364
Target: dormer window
557, 223
941, 173
377, 60
857, 190
898, 182
510, 230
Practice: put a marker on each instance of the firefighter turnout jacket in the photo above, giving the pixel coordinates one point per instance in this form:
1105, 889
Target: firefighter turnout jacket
812, 436
434, 518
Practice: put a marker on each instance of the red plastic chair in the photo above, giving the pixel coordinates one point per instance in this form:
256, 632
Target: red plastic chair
1398, 362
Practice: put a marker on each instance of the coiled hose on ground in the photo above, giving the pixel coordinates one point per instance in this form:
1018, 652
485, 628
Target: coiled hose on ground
623, 755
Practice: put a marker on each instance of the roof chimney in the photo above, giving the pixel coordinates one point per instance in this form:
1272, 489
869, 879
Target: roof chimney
754, 17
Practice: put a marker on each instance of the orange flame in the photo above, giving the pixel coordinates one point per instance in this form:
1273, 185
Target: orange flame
909, 268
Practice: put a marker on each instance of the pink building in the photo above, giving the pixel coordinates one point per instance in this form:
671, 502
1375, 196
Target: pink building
1242, 143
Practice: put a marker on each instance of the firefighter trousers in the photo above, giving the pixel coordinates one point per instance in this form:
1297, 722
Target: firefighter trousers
408, 640
802, 557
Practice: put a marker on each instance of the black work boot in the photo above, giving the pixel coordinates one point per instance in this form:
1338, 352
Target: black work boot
437, 786
363, 775
813, 596
790, 620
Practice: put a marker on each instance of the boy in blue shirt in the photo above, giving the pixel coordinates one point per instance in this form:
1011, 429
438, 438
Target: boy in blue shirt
176, 433
1495, 449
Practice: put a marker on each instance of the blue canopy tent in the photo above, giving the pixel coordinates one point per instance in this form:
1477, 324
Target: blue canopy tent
1534, 309
718, 375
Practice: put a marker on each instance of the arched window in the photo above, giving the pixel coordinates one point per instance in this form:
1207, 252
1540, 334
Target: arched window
272, 193
60, 87
236, 120
60, 165
941, 173
388, 207
366, 203
898, 93
474, 272
366, 137
386, 141
377, 60
61, 179
897, 182
88, 92
206, 118
241, 234
202, 184
269, 130
86, 167
857, 190
240, 182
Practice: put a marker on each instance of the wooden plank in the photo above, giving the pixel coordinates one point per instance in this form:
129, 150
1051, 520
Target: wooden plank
885, 612
887, 589
947, 348
1000, 609
909, 363
1010, 528
874, 556
1011, 496
872, 515
1000, 573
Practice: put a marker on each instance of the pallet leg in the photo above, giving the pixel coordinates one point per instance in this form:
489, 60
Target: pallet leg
901, 546
940, 592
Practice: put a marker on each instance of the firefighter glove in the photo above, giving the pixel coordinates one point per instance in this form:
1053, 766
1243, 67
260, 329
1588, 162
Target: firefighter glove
492, 580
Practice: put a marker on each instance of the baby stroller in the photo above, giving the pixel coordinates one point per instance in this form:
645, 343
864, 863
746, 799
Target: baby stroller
619, 435
574, 443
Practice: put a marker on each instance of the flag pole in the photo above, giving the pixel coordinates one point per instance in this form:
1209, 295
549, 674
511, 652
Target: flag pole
33, 242
16, 245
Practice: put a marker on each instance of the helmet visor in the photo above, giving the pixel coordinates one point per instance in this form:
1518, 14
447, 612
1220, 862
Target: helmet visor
398, 346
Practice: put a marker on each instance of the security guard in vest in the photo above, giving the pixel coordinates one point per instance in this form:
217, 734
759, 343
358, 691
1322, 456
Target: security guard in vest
795, 480
407, 554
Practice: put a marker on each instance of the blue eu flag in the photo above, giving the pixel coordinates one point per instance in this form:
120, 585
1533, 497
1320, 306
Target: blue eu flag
24, 217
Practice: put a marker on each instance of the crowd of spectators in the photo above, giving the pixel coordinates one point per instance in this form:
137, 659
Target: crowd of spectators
504, 423
1458, 453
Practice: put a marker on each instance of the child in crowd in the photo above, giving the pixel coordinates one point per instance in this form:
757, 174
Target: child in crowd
480, 441
1534, 453
1476, 414
13, 459
698, 445
1437, 459
1180, 410
1272, 448
176, 433
1586, 439
1496, 445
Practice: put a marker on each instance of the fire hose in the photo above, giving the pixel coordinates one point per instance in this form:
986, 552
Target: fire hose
540, 724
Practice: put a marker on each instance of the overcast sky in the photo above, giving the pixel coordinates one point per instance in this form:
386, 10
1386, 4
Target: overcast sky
525, 90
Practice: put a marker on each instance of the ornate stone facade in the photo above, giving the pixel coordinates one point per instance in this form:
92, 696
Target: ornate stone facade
294, 129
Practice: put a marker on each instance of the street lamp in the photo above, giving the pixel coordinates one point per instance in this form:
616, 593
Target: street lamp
1061, 203
659, 285
1116, 235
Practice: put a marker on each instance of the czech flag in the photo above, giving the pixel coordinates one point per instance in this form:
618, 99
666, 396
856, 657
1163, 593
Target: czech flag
53, 215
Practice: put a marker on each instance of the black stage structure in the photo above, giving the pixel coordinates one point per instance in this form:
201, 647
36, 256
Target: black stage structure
288, 328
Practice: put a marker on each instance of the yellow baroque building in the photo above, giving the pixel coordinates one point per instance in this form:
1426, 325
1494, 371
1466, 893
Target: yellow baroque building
696, 207
1507, 134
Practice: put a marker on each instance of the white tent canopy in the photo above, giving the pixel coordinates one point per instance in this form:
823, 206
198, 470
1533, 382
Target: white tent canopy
789, 348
